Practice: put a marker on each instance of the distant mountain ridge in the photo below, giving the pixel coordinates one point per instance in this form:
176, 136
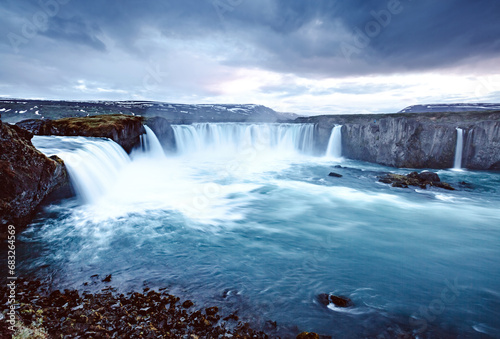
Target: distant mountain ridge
15, 110
435, 108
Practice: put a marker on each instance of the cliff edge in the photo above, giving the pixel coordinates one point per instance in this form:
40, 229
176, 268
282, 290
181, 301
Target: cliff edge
425, 140
26, 176
125, 130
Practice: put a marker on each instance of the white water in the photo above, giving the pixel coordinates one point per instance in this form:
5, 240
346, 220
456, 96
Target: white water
264, 226
459, 149
150, 144
93, 163
241, 137
335, 143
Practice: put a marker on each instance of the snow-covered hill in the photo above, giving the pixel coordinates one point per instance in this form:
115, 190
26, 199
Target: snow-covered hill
450, 108
16, 110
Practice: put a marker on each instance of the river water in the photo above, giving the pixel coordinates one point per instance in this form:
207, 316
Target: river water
246, 218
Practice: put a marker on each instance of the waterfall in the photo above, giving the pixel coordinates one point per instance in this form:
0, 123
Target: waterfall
335, 143
150, 144
92, 163
234, 137
459, 149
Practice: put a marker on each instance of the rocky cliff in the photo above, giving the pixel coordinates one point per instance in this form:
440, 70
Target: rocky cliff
415, 140
125, 130
26, 176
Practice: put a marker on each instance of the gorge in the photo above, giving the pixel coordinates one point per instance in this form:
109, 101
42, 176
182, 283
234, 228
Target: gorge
244, 215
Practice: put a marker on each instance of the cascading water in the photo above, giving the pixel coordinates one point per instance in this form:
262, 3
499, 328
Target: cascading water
150, 144
92, 163
335, 143
459, 149
229, 217
235, 137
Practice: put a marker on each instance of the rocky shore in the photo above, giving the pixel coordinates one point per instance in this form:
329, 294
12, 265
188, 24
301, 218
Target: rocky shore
148, 314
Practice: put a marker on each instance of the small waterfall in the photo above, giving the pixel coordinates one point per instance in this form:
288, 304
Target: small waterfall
150, 144
459, 149
92, 163
335, 143
234, 137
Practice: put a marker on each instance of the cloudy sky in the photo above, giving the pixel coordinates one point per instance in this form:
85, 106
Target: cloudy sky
304, 56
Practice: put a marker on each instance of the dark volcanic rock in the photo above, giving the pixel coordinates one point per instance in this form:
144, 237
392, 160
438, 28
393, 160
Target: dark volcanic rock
308, 335
426, 176
339, 301
415, 179
125, 130
333, 174
151, 314
413, 140
26, 176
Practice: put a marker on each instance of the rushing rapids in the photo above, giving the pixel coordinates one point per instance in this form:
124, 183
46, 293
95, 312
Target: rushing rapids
244, 215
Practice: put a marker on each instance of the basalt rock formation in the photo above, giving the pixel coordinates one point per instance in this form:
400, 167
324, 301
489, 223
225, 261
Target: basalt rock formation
412, 140
125, 130
26, 176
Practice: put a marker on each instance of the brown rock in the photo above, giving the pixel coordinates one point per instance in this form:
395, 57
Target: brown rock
308, 335
125, 130
26, 176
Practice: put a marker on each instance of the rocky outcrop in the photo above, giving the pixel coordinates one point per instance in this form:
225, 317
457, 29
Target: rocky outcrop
401, 142
125, 130
421, 180
415, 140
164, 132
26, 176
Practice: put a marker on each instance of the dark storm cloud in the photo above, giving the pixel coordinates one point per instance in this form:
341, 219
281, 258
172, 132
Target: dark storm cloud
75, 30
308, 38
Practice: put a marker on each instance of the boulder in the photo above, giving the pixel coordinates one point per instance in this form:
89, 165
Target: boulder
339, 301
427, 176
125, 130
27, 176
336, 175
415, 179
308, 335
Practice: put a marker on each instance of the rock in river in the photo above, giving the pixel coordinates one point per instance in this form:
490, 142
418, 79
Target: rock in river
415, 179
339, 301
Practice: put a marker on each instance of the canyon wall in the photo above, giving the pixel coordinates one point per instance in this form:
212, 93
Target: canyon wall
425, 140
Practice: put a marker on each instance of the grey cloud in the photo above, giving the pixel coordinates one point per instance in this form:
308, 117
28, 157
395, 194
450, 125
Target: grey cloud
296, 37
